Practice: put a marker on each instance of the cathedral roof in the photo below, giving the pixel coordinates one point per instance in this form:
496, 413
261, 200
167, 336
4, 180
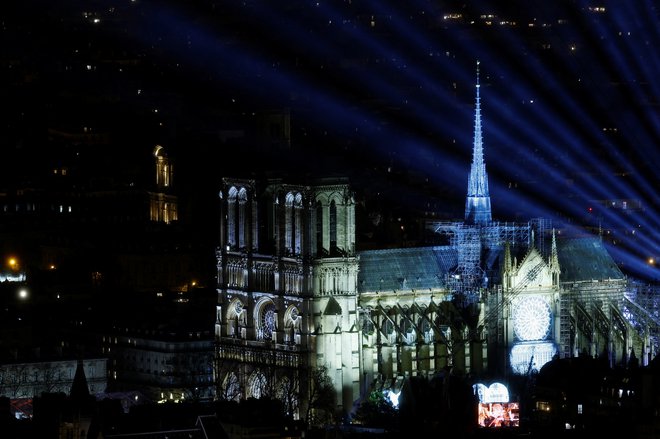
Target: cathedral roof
585, 259
405, 268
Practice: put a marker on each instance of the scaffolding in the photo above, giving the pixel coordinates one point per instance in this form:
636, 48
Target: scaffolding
592, 308
493, 235
496, 234
493, 317
641, 309
468, 279
566, 325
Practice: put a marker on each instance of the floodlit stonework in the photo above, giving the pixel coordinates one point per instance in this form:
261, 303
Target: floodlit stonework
294, 295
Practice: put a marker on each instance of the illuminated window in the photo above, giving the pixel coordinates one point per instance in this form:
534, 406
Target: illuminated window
236, 319
289, 222
531, 356
265, 320
543, 406
163, 168
257, 385
407, 331
232, 217
293, 224
268, 321
292, 322
298, 205
531, 318
231, 213
427, 331
242, 219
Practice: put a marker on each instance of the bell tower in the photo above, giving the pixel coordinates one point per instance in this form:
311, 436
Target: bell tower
334, 304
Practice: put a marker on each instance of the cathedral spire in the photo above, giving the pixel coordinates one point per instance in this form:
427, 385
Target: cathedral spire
477, 204
554, 261
554, 258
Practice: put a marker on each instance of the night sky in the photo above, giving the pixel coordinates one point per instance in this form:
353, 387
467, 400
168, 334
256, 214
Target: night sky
381, 91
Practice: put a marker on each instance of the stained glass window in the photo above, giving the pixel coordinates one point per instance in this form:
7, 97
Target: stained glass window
268, 321
531, 318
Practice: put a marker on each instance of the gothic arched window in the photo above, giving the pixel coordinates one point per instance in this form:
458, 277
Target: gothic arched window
297, 224
333, 225
163, 168
237, 219
427, 330
232, 195
242, 218
289, 222
292, 325
257, 385
236, 319
266, 320
231, 388
319, 228
407, 331
366, 324
293, 222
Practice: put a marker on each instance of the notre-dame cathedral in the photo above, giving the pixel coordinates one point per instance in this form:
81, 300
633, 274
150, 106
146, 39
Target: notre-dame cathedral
295, 295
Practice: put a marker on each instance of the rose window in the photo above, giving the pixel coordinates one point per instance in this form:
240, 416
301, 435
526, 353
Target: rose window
268, 321
531, 318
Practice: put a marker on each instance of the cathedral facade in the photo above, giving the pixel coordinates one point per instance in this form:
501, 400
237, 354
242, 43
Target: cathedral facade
287, 291
295, 297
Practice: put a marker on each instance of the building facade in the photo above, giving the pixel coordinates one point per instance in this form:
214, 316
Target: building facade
287, 290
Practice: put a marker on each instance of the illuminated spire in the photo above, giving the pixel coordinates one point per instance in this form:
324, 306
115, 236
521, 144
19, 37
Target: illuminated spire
554, 258
477, 204
554, 261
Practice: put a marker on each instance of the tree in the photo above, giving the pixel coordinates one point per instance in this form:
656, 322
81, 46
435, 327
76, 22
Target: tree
377, 411
288, 392
228, 378
15, 381
322, 398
